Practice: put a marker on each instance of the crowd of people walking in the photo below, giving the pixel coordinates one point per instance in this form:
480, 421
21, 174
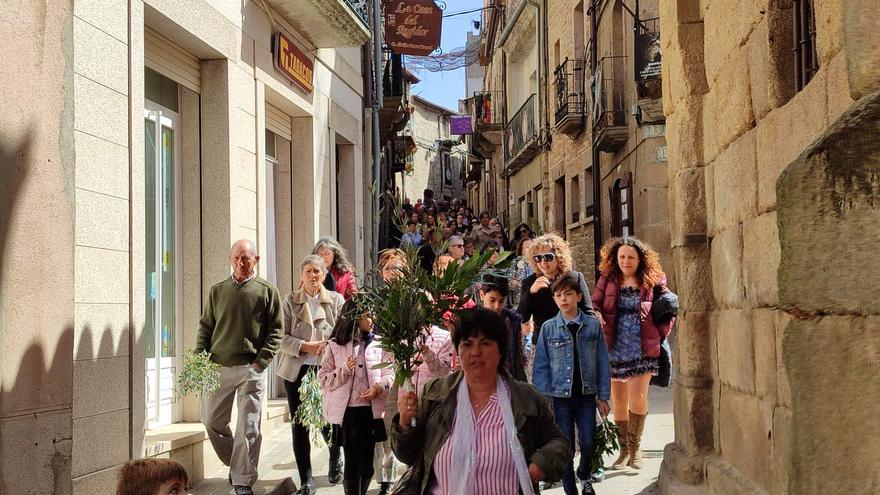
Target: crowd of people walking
505, 393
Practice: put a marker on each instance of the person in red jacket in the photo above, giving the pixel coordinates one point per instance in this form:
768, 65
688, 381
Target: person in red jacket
336, 262
622, 299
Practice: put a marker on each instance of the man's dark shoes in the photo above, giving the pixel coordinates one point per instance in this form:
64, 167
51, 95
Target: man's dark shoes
334, 474
587, 489
243, 490
307, 488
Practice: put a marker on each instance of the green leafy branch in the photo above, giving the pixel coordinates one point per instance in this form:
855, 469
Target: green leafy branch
200, 376
310, 412
402, 308
606, 438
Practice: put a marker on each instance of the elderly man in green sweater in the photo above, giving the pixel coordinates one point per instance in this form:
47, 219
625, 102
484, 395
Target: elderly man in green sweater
241, 328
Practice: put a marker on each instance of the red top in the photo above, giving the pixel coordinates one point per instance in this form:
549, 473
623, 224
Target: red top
604, 300
345, 283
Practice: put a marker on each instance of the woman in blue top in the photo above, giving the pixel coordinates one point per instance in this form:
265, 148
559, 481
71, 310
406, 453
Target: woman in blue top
571, 366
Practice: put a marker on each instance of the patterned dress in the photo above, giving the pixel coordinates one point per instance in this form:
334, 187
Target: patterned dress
626, 357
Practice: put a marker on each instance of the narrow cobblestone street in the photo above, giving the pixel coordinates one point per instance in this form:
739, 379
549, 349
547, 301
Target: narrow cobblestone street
276, 463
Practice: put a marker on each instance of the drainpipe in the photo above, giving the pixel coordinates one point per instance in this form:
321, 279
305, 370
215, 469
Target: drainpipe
377, 105
596, 166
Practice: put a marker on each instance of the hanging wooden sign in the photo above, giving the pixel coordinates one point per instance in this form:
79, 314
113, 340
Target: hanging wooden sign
412, 27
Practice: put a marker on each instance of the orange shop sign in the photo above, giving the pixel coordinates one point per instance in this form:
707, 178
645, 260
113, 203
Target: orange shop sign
292, 62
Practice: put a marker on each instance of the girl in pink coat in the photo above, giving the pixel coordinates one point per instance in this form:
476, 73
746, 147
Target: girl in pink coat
355, 394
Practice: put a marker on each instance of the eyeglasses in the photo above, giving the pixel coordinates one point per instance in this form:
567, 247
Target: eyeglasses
523, 231
548, 257
456, 245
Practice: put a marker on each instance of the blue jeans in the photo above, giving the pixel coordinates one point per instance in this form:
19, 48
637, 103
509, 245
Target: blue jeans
580, 410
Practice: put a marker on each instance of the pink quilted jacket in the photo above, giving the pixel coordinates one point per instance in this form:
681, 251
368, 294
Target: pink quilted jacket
335, 378
437, 361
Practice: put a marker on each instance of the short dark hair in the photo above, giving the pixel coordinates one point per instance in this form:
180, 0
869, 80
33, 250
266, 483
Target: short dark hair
481, 322
410, 222
496, 283
568, 280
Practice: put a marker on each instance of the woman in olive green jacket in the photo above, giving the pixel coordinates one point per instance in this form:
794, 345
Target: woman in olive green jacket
482, 401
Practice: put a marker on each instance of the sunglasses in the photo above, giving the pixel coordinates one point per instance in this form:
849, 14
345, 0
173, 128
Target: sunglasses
548, 257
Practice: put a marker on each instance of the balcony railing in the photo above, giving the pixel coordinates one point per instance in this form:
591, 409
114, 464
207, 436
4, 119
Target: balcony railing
361, 8
521, 134
609, 103
488, 110
570, 95
393, 75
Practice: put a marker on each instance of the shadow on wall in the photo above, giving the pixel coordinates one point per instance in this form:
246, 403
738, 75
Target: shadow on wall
12, 177
36, 445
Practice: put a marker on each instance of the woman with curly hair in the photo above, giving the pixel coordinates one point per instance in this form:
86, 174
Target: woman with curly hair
623, 299
336, 262
549, 257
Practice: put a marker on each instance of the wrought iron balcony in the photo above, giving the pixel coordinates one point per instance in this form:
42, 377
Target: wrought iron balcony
394, 113
570, 96
488, 110
327, 23
521, 135
610, 130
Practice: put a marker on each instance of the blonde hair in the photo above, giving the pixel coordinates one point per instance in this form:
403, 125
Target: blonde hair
556, 244
387, 255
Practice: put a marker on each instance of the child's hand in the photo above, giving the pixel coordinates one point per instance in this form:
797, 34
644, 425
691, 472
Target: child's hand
351, 362
603, 407
372, 392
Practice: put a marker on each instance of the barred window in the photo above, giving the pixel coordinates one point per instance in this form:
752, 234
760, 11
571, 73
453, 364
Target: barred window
806, 62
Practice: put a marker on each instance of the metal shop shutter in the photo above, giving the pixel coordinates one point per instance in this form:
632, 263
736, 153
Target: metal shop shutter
168, 59
278, 122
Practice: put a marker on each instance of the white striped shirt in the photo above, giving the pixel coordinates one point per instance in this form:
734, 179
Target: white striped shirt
494, 471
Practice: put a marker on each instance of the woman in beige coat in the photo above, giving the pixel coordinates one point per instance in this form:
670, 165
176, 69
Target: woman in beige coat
310, 313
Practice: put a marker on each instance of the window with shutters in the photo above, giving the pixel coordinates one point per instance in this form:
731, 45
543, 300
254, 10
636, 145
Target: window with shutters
622, 224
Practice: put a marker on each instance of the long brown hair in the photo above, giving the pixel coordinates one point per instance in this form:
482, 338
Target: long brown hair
649, 272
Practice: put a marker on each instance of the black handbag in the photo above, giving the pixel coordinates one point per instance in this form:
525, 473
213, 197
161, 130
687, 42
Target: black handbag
664, 376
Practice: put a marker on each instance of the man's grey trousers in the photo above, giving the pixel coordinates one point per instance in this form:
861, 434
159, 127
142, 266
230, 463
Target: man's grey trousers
242, 451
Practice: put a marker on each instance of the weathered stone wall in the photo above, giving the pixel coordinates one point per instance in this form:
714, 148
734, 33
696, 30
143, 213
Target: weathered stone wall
775, 375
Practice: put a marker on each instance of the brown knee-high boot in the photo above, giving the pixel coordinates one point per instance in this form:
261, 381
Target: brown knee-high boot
623, 440
634, 439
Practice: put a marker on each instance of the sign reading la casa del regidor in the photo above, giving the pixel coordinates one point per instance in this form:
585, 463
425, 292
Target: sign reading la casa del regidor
292, 62
412, 27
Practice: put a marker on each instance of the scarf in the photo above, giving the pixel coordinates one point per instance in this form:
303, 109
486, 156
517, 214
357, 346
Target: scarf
464, 443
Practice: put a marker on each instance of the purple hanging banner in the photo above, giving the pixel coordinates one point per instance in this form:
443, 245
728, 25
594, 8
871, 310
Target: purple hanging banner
460, 124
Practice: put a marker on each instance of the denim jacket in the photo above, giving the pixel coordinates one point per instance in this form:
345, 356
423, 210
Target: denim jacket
552, 371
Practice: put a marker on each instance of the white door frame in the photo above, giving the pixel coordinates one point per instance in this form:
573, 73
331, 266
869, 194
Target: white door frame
169, 411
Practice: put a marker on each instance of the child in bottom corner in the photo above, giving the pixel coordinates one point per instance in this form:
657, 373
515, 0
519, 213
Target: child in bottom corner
579, 380
355, 394
152, 476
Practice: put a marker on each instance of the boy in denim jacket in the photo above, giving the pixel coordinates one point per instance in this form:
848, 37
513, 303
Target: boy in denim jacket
571, 367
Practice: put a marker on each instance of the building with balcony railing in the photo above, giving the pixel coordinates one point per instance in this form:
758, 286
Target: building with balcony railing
583, 150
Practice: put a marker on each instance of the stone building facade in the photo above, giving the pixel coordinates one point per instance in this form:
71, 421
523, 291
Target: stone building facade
439, 158
774, 170
573, 103
140, 139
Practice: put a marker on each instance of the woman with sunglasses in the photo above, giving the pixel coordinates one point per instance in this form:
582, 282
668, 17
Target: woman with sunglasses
549, 257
